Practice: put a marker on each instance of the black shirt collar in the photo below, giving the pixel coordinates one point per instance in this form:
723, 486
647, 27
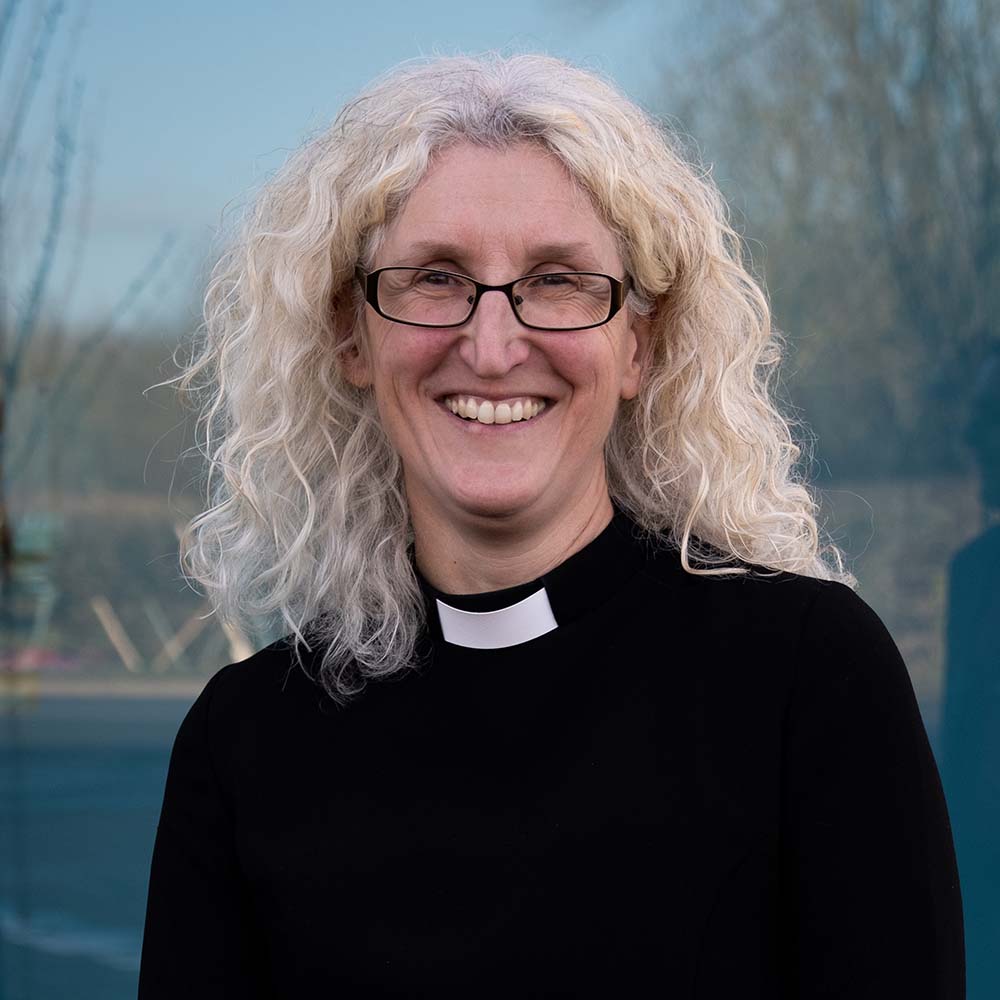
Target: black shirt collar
574, 588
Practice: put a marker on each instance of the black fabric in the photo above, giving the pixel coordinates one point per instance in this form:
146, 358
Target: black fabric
693, 787
575, 587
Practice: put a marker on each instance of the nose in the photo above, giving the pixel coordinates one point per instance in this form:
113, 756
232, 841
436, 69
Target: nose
493, 343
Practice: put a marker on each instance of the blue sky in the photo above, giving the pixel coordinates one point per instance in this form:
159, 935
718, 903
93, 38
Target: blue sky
198, 102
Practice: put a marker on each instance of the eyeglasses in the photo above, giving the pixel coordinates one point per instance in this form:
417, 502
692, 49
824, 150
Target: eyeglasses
551, 300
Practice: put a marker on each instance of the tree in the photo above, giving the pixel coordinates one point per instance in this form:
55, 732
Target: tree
35, 208
860, 139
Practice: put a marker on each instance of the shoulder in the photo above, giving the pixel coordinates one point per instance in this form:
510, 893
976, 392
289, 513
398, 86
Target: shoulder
245, 710
848, 671
750, 591
243, 689
756, 613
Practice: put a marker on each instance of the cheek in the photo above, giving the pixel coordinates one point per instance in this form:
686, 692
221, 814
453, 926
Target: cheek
404, 356
592, 368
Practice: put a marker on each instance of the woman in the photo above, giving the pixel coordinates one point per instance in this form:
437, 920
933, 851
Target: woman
570, 703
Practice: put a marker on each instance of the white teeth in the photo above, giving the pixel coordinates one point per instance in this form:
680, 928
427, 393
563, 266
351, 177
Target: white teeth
487, 412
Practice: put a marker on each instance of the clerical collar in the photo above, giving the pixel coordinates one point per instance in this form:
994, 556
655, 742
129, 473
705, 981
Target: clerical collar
569, 591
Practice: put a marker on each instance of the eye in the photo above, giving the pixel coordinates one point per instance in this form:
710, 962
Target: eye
547, 282
436, 279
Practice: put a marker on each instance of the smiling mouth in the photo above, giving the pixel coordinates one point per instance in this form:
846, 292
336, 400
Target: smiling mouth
502, 416
472, 424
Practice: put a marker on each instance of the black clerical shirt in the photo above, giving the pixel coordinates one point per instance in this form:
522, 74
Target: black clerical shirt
685, 787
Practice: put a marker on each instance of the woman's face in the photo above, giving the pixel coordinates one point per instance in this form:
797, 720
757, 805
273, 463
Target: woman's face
496, 216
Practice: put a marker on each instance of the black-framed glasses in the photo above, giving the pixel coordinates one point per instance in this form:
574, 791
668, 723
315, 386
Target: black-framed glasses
549, 300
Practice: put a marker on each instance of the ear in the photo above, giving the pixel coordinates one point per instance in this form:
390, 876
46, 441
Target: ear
351, 355
639, 338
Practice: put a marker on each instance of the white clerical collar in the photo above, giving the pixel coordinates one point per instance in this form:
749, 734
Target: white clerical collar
568, 593
508, 626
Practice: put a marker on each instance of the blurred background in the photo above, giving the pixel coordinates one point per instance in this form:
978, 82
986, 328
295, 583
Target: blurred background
858, 144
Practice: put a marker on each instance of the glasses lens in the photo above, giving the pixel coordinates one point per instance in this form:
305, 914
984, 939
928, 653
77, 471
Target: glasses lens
563, 300
422, 295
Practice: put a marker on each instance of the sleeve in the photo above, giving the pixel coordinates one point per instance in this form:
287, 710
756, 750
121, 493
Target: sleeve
869, 878
198, 939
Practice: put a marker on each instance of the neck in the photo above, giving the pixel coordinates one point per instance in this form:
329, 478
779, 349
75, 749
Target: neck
467, 553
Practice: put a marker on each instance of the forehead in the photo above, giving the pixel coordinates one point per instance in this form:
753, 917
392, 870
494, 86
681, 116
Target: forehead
511, 203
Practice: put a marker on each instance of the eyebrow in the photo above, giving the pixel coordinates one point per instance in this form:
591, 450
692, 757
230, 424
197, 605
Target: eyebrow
580, 249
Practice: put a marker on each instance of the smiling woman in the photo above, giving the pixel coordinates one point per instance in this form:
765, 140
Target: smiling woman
572, 351
485, 390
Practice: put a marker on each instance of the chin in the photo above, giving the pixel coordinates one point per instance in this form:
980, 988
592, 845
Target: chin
505, 502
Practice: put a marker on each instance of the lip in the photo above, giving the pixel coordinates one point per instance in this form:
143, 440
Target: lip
475, 427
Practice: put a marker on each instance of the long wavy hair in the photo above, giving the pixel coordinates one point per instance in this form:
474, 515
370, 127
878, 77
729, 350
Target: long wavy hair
307, 522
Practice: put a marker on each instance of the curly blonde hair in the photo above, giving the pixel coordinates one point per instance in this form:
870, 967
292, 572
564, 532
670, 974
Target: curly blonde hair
307, 520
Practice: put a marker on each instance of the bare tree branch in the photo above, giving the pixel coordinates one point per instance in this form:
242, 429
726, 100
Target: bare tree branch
22, 105
84, 218
62, 164
6, 22
87, 348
